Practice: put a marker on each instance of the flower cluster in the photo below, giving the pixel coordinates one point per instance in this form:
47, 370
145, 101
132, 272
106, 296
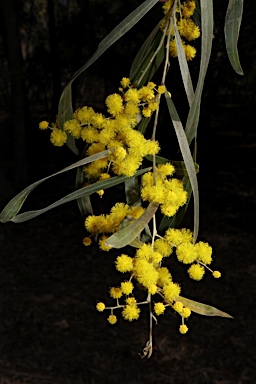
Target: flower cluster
119, 214
116, 132
146, 267
169, 193
187, 28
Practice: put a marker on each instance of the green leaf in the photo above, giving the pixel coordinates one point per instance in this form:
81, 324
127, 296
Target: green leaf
206, 46
14, 206
88, 190
126, 235
132, 191
187, 157
149, 58
185, 74
144, 50
231, 29
65, 110
202, 309
142, 126
84, 203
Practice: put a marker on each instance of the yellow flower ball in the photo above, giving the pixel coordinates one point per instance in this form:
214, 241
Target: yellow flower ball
100, 307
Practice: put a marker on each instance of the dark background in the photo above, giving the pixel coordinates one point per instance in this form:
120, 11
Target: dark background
49, 283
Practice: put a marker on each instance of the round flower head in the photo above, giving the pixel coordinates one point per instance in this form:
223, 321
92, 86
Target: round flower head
171, 291
112, 319
216, 274
178, 307
125, 82
186, 253
124, 263
73, 127
190, 52
127, 287
131, 312
204, 252
196, 272
43, 125
100, 307
183, 329
115, 104
58, 137
159, 308
115, 292
87, 241
186, 312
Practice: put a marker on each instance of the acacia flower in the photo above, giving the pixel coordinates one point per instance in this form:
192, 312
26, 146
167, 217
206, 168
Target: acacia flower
190, 52
186, 312
164, 276
127, 287
84, 115
87, 241
171, 291
132, 96
73, 128
115, 292
196, 272
161, 89
216, 274
125, 82
114, 103
58, 137
145, 272
178, 307
204, 252
100, 307
186, 253
188, 8
159, 308
163, 247
131, 312
188, 29
183, 329
112, 319
43, 125
124, 263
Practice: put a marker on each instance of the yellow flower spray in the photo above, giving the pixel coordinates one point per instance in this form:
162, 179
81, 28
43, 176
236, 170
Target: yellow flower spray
117, 145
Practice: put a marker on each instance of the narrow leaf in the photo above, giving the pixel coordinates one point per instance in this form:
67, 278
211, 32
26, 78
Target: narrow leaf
84, 203
65, 110
203, 309
231, 29
126, 235
206, 47
14, 206
187, 157
88, 190
149, 60
185, 74
132, 191
140, 57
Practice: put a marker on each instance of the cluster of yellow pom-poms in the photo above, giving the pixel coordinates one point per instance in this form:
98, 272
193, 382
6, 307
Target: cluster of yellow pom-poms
146, 268
115, 132
186, 27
